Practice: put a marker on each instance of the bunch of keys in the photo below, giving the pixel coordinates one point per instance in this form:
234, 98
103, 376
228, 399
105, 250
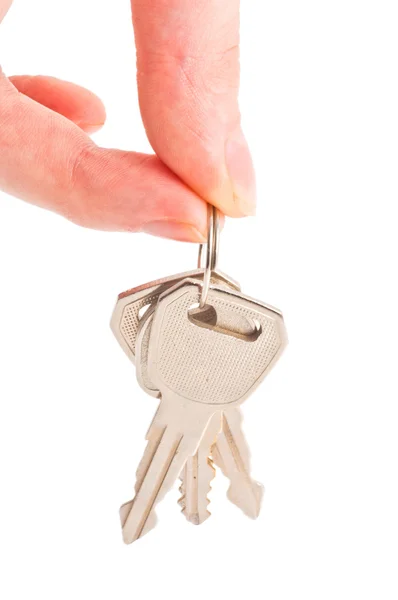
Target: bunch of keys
201, 347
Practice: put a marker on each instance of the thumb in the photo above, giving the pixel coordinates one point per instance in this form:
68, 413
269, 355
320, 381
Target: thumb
49, 161
188, 81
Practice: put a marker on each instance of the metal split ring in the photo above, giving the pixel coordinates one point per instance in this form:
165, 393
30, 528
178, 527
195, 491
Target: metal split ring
212, 248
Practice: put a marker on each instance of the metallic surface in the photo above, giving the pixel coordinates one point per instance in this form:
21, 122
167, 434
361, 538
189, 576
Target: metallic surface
229, 449
126, 315
228, 366
200, 371
173, 437
197, 476
231, 454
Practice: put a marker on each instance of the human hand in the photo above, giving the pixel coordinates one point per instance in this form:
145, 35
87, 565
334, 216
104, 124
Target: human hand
188, 78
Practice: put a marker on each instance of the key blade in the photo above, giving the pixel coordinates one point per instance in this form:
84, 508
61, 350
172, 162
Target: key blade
153, 438
198, 475
231, 454
181, 429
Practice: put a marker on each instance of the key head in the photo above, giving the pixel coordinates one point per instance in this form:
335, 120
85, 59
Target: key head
130, 304
203, 356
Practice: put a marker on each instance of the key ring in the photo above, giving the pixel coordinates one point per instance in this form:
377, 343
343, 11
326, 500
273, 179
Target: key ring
212, 248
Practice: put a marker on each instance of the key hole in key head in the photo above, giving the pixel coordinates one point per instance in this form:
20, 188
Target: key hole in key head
235, 326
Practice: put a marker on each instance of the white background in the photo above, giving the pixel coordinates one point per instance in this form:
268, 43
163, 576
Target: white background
319, 101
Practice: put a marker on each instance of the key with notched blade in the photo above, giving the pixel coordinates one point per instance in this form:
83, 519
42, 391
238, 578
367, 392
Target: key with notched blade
200, 370
198, 472
229, 449
198, 469
131, 304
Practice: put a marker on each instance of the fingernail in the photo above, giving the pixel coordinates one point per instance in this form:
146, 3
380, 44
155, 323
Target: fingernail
241, 172
174, 230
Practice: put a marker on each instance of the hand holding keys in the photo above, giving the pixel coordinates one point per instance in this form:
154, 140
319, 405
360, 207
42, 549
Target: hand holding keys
202, 347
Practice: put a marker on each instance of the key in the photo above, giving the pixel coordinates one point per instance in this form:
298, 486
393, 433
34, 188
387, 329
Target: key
198, 471
131, 305
137, 299
229, 450
201, 369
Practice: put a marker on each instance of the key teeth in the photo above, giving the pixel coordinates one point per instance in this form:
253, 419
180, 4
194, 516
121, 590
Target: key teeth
181, 489
182, 502
213, 474
153, 438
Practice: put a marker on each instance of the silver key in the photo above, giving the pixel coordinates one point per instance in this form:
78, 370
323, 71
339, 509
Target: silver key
201, 369
132, 332
229, 449
130, 305
199, 471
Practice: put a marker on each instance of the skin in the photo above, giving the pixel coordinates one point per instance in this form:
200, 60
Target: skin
188, 80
